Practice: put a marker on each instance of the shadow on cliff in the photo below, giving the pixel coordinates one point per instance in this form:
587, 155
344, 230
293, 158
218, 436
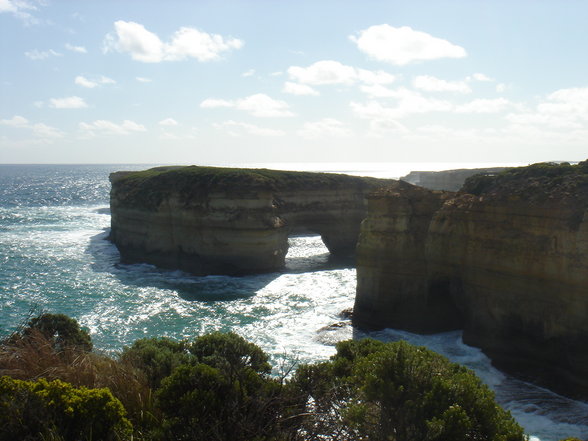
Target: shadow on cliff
106, 259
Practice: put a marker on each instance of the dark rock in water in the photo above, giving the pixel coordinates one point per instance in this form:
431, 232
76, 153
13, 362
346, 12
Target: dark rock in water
334, 326
334, 333
346, 313
209, 220
507, 262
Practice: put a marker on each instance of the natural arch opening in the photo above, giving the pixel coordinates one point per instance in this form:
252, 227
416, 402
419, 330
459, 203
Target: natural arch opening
306, 252
444, 313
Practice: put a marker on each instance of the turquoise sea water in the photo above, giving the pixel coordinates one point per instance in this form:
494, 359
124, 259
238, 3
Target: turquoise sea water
54, 256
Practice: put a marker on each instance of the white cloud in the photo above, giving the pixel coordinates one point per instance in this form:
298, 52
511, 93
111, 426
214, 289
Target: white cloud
105, 127
78, 49
433, 84
20, 9
168, 122
375, 77
37, 55
44, 131
7, 6
15, 121
544, 120
408, 102
259, 105
495, 105
404, 45
85, 82
378, 91
333, 72
143, 45
143, 79
39, 130
70, 102
323, 72
212, 103
106, 80
481, 77
248, 73
436, 131
175, 137
500, 87
562, 109
235, 128
381, 127
326, 127
298, 89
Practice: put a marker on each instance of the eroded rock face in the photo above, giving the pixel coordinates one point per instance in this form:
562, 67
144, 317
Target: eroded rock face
209, 220
507, 262
392, 284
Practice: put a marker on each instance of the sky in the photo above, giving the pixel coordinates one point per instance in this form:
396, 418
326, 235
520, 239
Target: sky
230, 82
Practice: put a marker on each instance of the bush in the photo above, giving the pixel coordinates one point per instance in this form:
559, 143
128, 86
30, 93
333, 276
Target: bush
53, 347
62, 330
39, 410
225, 393
381, 391
156, 358
219, 387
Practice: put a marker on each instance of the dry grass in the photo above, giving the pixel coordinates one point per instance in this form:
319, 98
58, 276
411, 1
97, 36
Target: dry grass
34, 356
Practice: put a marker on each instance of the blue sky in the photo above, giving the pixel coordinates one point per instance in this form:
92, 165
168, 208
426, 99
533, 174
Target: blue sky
219, 82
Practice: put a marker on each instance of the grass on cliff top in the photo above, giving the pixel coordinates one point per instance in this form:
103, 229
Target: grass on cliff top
149, 187
536, 182
224, 177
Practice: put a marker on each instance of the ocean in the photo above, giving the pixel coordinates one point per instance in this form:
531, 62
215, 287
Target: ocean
55, 257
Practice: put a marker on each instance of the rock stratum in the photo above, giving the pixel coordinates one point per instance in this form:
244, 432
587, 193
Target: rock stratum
505, 259
209, 220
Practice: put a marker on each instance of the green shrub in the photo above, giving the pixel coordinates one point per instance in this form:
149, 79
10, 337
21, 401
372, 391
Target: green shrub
40, 410
156, 358
225, 394
230, 353
61, 329
381, 391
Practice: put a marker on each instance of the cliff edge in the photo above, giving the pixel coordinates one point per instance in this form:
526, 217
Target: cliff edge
211, 220
506, 260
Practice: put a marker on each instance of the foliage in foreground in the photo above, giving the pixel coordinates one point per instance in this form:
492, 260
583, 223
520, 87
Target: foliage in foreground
382, 391
59, 411
220, 387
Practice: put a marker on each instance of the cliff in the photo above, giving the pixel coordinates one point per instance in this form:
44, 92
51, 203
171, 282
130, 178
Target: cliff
450, 180
209, 220
506, 261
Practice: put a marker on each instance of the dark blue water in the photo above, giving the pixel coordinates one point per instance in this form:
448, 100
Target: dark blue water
54, 220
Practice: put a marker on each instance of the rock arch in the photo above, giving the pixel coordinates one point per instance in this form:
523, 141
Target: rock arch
208, 220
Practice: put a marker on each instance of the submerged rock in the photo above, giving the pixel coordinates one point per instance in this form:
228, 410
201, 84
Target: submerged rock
506, 260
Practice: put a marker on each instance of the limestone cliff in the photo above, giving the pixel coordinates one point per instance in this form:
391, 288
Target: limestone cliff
209, 220
507, 262
450, 180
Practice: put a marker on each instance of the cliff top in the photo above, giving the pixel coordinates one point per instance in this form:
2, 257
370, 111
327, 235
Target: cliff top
148, 186
564, 183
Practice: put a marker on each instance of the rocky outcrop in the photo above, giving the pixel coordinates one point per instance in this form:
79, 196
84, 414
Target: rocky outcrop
392, 286
209, 220
507, 262
450, 180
